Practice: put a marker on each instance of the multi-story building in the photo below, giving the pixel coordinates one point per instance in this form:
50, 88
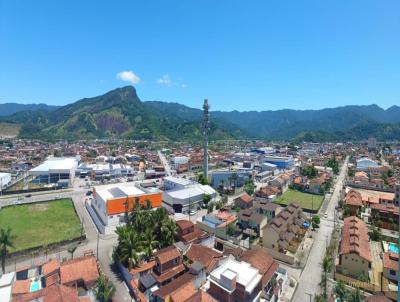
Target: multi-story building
390, 266
168, 265
285, 230
355, 257
235, 281
282, 162
111, 202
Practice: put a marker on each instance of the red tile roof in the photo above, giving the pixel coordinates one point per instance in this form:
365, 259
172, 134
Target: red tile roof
170, 273
143, 267
84, 268
184, 224
244, 197
55, 293
261, 260
353, 198
386, 208
21, 287
167, 254
390, 261
50, 266
355, 238
205, 255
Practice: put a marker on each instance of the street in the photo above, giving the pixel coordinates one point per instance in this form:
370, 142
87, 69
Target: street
310, 277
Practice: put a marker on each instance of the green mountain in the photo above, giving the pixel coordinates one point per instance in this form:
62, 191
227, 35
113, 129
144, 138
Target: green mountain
121, 114
11, 108
118, 113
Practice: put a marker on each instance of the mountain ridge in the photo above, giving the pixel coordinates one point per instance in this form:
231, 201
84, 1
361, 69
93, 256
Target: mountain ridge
121, 113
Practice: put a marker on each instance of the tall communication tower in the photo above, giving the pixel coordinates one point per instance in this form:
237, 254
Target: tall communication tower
206, 130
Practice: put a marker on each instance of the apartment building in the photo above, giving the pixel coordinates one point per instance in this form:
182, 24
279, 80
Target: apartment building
355, 257
285, 230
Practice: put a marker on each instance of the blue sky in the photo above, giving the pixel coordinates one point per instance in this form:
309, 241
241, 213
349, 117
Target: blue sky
241, 55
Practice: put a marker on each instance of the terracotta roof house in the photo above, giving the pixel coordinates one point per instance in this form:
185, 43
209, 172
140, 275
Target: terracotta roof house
164, 293
354, 202
390, 266
168, 265
205, 255
386, 213
244, 201
54, 293
188, 232
354, 252
262, 261
268, 192
80, 270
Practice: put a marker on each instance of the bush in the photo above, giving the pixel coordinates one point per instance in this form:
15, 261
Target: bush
316, 219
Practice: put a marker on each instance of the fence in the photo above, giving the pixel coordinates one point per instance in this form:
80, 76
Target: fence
276, 255
357, 283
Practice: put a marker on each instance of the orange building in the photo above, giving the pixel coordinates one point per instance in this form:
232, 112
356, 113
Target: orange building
110, 203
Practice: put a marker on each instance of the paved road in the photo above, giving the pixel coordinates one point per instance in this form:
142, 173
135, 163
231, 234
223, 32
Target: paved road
311, 275
165, 163
106, 243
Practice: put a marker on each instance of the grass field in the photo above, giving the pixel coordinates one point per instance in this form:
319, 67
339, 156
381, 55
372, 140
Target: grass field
306, 201
41, 223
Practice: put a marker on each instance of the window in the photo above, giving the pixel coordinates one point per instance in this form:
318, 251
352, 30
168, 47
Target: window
392, 272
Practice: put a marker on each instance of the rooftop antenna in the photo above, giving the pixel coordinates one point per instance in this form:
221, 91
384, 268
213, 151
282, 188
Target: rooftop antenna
206, 130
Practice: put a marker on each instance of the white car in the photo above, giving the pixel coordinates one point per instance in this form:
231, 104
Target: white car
326, 215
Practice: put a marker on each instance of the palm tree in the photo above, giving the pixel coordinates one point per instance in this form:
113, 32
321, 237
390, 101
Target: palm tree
104, 290
340, 290
319, 298
148, 243
128, 247
355, 296
168, 232
72, 250
148, 204
158, 216
326, 268
6, 241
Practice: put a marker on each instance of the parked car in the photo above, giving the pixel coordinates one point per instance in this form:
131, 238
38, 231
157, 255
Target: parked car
88, 193
28, 195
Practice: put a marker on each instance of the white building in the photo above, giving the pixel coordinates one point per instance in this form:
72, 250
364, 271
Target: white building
174, 183
182, 195
5, 179
104, 169
110, 202
180, 160
363, 164
6, 282
232, 274
187, 199
54, 169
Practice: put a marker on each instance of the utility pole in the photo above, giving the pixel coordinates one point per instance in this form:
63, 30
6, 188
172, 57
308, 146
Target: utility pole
98, 239
310, 295
206, 130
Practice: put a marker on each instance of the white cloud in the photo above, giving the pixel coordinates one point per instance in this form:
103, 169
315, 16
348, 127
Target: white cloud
183, 85
165, 80
128, 76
